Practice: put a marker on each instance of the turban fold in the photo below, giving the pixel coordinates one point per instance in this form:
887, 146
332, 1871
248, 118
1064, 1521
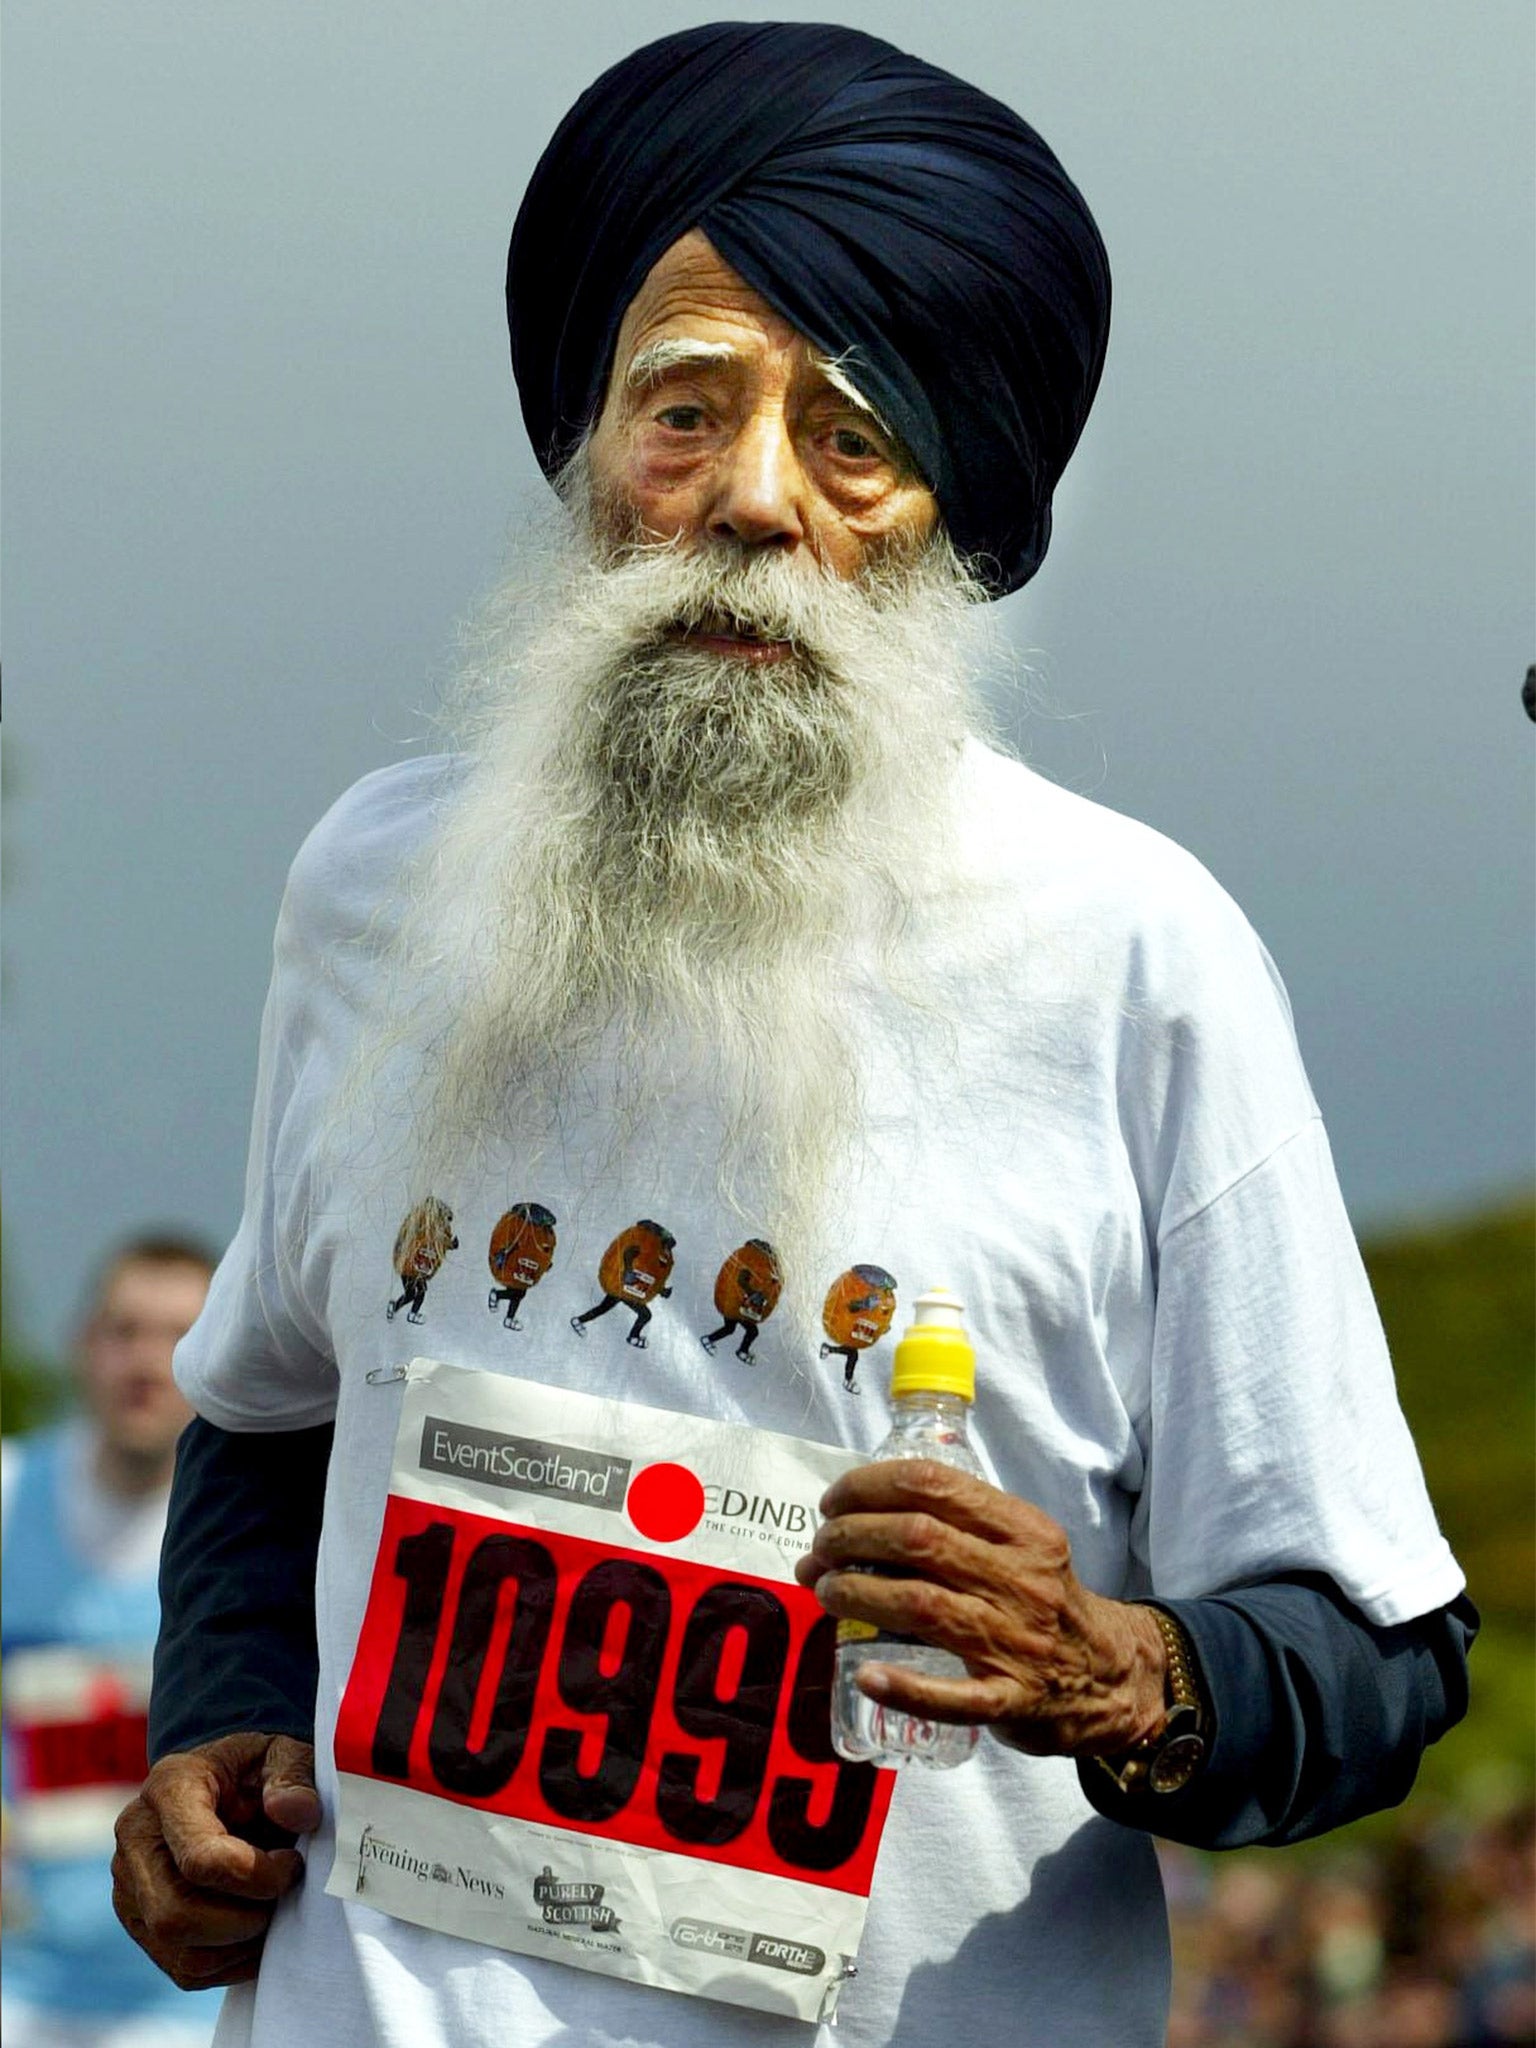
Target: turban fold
904, 222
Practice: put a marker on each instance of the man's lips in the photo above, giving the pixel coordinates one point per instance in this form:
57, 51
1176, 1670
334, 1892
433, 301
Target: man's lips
733, 646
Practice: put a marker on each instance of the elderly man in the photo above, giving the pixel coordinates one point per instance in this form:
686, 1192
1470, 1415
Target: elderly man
724, 916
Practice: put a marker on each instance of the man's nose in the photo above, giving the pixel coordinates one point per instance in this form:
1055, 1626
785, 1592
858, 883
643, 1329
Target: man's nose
149, 1351
759, 488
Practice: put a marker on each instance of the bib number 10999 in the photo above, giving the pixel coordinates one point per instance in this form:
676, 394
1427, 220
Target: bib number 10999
638, 1696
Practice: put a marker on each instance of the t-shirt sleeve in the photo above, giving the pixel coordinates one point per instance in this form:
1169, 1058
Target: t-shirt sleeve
1276, 1443
260, 1356
1273, 1438
257, 1357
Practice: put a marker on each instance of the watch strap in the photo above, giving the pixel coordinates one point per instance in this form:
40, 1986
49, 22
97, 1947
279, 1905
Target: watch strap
1166, 1762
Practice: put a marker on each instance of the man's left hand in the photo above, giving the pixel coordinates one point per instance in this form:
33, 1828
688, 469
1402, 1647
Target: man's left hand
1052, 1668
204, 1854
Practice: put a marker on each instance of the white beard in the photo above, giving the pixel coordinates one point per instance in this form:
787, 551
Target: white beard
662, 862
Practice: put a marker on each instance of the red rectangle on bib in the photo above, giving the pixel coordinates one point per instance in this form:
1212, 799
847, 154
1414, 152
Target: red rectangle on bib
632, 1696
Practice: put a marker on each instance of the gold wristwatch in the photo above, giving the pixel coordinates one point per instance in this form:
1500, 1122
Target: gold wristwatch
1167, 1761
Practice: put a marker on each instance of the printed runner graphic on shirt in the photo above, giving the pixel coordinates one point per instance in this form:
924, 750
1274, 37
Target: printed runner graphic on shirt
522, 1250
747, 1291
588, 1714
422, 1243
634, 1270
857, 1312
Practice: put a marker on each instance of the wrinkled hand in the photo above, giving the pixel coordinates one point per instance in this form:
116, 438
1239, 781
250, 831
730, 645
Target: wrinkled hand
1052, 1667
204, 1854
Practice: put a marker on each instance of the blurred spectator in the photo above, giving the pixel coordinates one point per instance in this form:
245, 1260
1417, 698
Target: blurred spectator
84, 1511
1424, 1939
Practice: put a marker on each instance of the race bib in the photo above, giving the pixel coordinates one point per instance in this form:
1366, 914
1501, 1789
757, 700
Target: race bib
588, 1714
75, 1723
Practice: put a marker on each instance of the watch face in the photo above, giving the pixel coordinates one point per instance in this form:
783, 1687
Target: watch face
1176, 1763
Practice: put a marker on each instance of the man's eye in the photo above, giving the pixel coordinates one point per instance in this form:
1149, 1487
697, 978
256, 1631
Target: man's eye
685, 419
856, 446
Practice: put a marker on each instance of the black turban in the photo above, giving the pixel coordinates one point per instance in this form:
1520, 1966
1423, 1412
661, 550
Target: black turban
897, 217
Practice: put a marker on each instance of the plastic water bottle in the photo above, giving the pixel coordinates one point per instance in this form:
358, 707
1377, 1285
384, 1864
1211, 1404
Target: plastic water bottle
933, 1383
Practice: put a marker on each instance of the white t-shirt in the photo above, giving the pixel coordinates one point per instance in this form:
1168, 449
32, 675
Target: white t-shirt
1103, 1139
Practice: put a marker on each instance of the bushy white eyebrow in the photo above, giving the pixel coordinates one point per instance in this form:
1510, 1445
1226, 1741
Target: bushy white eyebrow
831, 367
653, 361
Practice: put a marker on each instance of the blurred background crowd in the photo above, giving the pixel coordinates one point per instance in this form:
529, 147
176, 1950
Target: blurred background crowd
1420, 1937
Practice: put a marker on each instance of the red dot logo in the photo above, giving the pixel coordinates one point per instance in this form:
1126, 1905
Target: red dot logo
665, 1502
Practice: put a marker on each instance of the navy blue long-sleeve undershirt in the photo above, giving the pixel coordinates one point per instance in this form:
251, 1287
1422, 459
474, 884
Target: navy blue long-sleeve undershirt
1320, 1715
237, 1647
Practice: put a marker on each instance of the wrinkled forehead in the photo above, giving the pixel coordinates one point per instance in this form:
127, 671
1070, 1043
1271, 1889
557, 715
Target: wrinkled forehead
693, 311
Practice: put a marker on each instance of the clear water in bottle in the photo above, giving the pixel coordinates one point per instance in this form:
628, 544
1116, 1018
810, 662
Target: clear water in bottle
867, 1732
927, 1423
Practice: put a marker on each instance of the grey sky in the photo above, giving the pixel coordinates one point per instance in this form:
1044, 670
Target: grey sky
263, 448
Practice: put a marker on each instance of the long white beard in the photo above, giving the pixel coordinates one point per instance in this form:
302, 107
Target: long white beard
666, 863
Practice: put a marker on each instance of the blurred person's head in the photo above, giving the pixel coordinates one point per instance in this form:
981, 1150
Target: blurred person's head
1418, 2009
1346, 1930
1255, 1902
147, 1294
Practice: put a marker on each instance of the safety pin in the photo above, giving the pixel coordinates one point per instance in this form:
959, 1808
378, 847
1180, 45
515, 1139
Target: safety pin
827, 2014
386, 1375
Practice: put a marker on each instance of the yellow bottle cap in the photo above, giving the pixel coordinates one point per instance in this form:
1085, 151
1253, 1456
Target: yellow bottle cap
935, 1356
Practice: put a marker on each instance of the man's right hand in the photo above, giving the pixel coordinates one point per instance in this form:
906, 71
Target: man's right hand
205, 1852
